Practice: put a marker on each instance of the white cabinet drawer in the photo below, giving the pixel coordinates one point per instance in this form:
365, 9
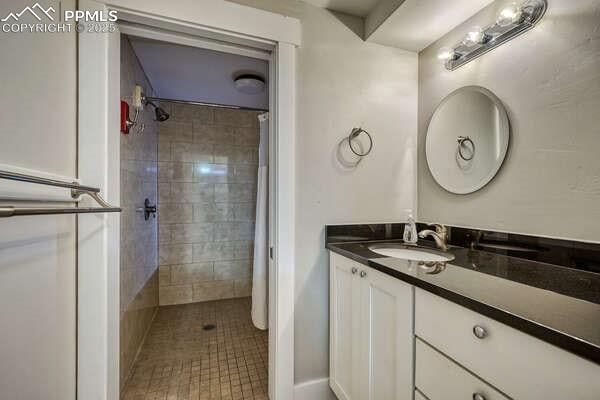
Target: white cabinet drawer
518, 364
439, 378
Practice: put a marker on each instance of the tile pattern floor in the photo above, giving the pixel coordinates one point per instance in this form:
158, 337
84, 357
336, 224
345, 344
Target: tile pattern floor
181, 361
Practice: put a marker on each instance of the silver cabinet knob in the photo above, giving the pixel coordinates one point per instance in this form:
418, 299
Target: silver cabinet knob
354, 270
480, 332
478, 396
363, 274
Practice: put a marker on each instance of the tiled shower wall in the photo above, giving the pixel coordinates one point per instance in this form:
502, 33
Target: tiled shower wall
207, 175
139, 241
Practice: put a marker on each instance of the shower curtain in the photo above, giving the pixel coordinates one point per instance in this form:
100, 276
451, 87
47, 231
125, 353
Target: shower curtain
260, 272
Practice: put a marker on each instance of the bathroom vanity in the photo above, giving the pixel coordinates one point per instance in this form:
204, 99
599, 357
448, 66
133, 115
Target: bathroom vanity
483, 326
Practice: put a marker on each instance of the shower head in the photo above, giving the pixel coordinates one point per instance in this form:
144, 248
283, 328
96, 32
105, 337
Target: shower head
161, 115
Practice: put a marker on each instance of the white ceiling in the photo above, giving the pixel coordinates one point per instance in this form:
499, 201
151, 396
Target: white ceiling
194, 74
360, 8
418, 23
406, 24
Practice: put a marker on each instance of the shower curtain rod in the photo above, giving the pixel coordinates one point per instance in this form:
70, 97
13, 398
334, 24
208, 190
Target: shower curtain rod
200, 103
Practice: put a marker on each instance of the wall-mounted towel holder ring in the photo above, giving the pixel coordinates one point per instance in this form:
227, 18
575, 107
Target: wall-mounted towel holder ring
351, 159
465, 141
353, 135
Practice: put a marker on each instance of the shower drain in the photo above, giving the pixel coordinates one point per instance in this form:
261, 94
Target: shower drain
208, 327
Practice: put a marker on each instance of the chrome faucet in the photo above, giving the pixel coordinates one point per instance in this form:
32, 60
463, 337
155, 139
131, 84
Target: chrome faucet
440, 235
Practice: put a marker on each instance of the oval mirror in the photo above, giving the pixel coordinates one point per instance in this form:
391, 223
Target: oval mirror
467, 139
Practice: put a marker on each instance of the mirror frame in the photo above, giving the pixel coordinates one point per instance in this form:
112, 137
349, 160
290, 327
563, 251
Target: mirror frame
505, 127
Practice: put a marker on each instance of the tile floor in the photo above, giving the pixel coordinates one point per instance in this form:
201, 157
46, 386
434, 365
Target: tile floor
181, 361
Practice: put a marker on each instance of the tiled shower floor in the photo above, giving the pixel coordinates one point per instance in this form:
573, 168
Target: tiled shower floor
181, 361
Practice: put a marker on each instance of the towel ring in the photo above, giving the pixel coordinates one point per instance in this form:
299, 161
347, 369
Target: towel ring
461, 141
342, 160
355, 132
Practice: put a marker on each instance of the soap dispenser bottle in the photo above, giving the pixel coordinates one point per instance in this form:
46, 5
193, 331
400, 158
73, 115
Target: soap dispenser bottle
410, 230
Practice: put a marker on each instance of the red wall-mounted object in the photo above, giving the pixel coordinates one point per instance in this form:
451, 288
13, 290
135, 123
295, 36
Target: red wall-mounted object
124, 117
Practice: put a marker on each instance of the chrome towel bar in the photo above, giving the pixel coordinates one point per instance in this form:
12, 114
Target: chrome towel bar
76, 191
13, 176
16, 211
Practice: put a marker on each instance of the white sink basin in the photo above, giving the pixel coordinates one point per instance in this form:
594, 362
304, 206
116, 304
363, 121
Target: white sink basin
412, 254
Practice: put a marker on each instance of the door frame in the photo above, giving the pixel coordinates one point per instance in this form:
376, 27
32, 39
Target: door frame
214, 23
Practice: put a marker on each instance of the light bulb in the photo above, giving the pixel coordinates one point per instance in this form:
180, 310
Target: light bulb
475, 36
509, 15
445, 53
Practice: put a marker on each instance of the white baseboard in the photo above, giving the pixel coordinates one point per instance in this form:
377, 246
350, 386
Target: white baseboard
317, 389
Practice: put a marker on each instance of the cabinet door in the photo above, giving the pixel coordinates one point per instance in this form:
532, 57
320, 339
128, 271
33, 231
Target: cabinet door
343, 325
386, 337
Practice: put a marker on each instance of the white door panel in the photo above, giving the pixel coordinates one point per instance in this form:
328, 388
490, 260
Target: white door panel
38, 297
344, 321
38, 100
386, 337
38, 131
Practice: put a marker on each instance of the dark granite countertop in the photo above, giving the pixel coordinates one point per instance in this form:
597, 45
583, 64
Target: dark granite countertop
553, 303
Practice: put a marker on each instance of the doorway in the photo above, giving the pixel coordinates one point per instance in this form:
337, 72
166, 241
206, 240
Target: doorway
222, 26
193, 275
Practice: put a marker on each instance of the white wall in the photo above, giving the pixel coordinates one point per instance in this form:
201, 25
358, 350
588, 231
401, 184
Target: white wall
37, 254
549, 82
342, 83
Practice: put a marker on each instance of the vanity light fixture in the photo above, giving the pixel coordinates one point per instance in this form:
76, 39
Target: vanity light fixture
509, 15
475, 36
445, 53
513, 19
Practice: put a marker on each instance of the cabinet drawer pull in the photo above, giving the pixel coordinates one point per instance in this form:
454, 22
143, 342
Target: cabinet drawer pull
480, 332
354, 270
478, 396
363, 274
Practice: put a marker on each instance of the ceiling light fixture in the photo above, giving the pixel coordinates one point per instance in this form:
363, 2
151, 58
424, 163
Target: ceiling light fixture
249, 83
512, 20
